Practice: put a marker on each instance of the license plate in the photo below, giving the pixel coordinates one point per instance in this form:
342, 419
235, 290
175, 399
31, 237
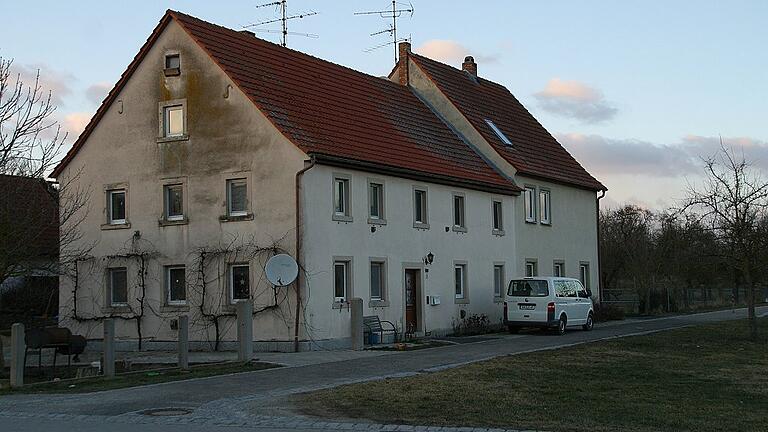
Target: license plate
527, 306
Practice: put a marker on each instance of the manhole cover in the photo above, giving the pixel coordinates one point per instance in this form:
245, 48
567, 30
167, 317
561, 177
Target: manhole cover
167, 412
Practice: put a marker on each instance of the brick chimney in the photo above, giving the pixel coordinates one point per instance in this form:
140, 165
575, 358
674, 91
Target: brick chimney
469, 65
404, 48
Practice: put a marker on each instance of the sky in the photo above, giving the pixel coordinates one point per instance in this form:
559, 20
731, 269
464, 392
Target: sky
637, 91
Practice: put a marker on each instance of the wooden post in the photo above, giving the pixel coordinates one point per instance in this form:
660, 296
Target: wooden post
184, 342
109, 347
18, 346
245, 330
356, 304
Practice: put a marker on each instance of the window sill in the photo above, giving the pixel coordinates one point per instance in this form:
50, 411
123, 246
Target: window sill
109, 226
340, 218
174, 308
546, 223
172, 72
498, 233
377, 221
459, 229
116, 309
184, 137
378, 303
421, 226
532, 222
461, 300
166, 222
228, 218
341, 305
497, 299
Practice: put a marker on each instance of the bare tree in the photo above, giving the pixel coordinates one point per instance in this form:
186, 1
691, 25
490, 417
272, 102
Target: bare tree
732, 203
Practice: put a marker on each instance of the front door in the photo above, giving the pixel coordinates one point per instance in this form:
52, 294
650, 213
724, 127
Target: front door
412, 295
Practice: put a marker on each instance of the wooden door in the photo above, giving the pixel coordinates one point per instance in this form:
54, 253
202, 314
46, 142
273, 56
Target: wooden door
411, 300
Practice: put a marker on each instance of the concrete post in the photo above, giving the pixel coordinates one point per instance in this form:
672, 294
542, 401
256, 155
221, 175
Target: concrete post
245, 331
184, 342
356, 305
18, 346
109, 347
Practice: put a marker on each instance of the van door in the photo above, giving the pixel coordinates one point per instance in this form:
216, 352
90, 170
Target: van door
583, 302
527, 301
563, 301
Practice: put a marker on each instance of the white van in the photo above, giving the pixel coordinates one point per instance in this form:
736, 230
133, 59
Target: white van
548, 302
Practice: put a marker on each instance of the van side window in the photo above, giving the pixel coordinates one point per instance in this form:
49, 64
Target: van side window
561, 289
582, 293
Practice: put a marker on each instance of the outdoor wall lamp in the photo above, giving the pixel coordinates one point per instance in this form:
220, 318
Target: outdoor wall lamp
429, 258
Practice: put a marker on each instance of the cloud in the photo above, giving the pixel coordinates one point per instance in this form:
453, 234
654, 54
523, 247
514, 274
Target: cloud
451, 52
608, 156
58, 83
74, 123
576, 100
97, 92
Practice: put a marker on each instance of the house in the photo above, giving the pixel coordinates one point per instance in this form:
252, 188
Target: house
422, 193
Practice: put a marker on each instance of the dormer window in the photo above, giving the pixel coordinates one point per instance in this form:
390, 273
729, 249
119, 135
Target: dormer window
172, 64
498, 132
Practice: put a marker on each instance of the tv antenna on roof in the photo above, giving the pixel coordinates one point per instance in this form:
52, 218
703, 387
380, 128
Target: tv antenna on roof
398, 9
284, 18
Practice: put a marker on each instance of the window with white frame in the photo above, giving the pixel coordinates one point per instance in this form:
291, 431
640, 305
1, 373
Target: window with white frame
237, 197
376, 201
545, 209
420, 207
176, 285
118, 286
173, 121
174, 202
239, 282
341, 197
558, 269
116, 206
584, 275
341, 281
498, 280
531, 268
498, 216
460, 280
458, 212
529, 196
378, 280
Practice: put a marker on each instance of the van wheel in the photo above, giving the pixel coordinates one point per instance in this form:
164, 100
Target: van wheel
589, 324
513, 329
561, 325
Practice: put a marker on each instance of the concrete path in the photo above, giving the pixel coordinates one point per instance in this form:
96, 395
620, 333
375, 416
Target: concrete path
248, 399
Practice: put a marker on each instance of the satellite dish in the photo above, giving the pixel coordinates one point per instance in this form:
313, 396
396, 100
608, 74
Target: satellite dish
281, 270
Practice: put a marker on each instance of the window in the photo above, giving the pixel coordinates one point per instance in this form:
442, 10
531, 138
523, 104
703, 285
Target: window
531, 269
419, 207
377, 280
498, 280
528, 288
172, 61
237, 197
118, 286
173, 120
544, 205
498, 217
175, 285
530, 205
460, 280
584, 275
174, 202
498, 132
116, 206
239, 282
565, 288
341, 281
376, 201
458, 212
558, 269
341, 197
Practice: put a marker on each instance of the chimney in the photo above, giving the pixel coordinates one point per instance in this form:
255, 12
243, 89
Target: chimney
404, 48
469, 65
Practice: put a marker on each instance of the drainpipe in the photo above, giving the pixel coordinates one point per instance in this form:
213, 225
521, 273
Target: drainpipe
599, 254
299, 259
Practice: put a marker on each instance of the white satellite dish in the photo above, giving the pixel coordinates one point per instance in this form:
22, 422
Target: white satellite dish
281, 270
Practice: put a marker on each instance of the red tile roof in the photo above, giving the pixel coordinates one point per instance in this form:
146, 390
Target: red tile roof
535, 152
332, 111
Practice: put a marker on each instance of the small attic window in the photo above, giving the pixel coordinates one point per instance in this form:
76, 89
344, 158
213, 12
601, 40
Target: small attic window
172, 64
498, 132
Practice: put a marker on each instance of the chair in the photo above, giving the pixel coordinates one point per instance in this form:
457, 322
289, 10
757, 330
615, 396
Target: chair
373, 325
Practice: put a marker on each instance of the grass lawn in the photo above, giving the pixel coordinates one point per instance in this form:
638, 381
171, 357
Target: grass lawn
133, 379
704, 378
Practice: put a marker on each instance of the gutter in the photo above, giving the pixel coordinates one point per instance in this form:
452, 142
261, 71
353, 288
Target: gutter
299, 175
599, 253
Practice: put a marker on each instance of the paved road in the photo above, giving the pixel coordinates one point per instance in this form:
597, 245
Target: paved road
245, 400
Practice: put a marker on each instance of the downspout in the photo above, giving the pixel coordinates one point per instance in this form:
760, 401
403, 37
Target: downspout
299, 259
599, 254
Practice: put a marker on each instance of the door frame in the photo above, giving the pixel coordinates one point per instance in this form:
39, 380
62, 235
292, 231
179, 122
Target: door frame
420, 299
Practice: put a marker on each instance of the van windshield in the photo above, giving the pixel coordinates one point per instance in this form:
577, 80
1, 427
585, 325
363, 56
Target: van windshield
528, 288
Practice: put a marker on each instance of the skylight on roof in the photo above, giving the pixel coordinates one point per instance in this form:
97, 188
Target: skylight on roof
498, 132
